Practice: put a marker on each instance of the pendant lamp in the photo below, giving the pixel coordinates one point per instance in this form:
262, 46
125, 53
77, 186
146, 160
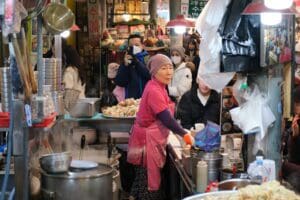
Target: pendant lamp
180, 24
258, 6
278, 4
268, 16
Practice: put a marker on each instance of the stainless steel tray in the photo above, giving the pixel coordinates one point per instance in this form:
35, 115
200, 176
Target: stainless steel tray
205, 196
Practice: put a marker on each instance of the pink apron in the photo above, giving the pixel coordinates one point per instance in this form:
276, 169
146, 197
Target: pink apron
147, 147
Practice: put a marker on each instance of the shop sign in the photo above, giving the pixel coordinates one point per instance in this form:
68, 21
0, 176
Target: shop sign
195, 7
184, 9
93, 21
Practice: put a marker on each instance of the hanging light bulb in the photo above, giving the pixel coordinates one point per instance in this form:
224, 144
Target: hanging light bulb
65, 34
126, 17
278, 4
179, 29
270, 19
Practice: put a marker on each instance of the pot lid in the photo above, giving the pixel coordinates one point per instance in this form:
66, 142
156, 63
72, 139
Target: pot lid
101, 170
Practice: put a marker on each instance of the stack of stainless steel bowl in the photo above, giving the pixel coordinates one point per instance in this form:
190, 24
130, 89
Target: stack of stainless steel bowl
53, 77
5, 89
52, 73
58, 102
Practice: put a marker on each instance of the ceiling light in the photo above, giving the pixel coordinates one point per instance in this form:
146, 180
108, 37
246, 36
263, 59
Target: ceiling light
278, 4
65, 34
270, 19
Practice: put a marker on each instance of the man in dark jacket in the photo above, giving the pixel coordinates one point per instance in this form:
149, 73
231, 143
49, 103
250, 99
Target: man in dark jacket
199, 105
133, 73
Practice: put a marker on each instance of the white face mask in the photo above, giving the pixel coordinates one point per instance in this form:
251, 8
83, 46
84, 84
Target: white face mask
176, 59
137, 49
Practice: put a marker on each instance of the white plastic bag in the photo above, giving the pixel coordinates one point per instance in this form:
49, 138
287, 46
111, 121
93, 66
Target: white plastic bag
253, 116
207, 25
222, 79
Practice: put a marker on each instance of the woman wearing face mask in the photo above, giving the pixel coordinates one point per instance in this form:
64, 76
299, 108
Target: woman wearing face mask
148, 139
192, 55
182, 79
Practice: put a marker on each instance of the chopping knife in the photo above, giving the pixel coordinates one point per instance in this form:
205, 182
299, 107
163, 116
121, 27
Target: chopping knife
82, 145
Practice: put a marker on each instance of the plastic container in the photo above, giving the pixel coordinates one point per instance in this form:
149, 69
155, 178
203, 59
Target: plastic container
258, 174
202, 176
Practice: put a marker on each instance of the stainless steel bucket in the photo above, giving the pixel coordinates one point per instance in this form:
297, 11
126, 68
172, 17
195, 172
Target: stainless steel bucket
91, 184
214, 164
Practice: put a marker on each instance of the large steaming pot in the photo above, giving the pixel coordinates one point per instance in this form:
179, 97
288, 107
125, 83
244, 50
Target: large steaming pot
91, 184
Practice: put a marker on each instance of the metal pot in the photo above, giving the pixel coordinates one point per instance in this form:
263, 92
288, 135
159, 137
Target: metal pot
228, 174
214, 164
91, 184
234, 184
56, 162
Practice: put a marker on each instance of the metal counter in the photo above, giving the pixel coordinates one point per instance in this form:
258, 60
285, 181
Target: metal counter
101, 123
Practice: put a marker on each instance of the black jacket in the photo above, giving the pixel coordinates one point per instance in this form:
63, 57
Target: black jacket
134, 78
190, 109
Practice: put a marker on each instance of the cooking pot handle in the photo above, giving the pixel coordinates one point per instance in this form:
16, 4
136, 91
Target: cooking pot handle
48, 195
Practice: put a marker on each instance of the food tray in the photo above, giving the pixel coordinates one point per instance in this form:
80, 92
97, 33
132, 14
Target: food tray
114, 117
207, 196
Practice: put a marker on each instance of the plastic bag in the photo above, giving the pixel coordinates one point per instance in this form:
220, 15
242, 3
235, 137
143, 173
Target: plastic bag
223, 80
207, 25
209, 138
253, 116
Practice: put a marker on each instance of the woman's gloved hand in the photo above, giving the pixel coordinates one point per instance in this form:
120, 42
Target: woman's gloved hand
189, 138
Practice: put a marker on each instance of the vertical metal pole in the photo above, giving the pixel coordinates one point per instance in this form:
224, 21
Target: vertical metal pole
153, 9
40, 64
20, 152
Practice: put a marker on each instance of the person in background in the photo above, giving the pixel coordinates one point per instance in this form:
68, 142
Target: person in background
291, 166
182, 78
73, 81
199, 105
148, 139
118, 91
192, 55
133, 73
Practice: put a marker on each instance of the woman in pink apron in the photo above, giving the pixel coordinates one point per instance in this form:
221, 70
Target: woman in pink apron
148, 140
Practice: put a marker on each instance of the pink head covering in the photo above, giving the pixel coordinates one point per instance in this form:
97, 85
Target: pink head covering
156, 62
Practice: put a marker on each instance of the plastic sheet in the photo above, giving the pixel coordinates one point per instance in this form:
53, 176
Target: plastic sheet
253, 116
209, 138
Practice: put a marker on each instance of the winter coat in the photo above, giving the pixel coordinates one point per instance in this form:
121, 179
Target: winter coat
133, 77
191, 111
181, 81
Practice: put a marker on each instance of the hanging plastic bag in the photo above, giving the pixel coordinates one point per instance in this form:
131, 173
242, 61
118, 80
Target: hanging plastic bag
17, 13
209, 138
223, 80
253, 116
207, 25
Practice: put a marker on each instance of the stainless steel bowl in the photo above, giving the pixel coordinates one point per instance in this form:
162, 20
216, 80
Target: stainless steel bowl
234, 184
56, 162
58, 18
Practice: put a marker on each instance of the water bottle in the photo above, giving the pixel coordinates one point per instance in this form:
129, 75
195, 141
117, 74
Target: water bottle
258, 173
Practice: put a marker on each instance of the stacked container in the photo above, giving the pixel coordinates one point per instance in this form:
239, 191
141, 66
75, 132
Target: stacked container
5, 88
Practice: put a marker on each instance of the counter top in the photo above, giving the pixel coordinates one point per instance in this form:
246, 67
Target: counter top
102, 123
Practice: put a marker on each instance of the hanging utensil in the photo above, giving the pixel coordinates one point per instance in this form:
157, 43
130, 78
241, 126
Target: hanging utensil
21, 68
82, 145
27, 61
